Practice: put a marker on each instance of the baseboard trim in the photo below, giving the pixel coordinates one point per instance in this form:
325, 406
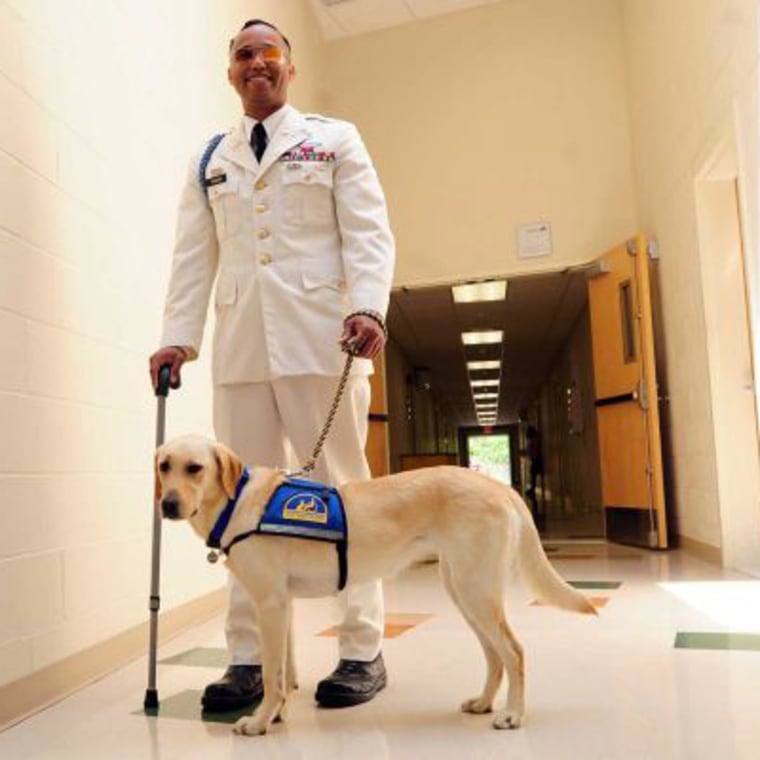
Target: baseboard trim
706, 552
30, 694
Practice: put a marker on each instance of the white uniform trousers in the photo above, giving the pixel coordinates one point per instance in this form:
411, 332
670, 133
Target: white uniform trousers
271, 423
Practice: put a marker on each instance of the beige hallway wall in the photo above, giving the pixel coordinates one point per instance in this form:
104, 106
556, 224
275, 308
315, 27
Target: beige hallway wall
102, 104
482, 120
692, 68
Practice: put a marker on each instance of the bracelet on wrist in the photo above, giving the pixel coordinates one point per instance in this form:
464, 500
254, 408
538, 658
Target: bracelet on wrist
373, 315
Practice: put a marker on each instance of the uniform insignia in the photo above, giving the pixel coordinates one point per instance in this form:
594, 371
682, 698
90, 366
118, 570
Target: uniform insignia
216, 178
310, 153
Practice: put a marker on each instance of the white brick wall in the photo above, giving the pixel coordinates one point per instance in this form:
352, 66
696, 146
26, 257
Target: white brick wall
102, 105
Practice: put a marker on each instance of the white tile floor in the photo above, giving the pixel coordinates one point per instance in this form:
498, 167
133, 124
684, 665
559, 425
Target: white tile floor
612, 688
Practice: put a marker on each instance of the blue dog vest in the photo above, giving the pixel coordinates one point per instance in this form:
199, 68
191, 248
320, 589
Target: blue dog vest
297, 508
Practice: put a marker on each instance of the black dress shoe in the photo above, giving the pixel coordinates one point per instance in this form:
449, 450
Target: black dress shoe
240, 686
352, 683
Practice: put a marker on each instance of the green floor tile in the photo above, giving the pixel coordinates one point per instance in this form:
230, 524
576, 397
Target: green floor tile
201, 657
735, 641
187, 706
596, 584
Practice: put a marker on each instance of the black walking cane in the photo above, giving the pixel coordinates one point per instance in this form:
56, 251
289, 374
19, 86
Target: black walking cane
151, 693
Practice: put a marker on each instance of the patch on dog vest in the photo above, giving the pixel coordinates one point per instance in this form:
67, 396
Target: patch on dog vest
305, 509
300, 509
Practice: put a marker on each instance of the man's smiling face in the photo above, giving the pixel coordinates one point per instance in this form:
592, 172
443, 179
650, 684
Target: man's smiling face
260, 70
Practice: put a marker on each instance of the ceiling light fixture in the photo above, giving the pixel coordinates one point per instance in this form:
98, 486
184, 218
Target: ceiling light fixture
481, 395
490, 364
483, 383
482, 337
495, 290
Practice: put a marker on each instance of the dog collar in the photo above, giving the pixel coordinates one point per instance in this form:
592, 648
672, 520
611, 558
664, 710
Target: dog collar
215, 538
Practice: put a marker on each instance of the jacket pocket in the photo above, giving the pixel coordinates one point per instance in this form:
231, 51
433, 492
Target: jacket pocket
308, 193
313, 277
226, 290
227, 205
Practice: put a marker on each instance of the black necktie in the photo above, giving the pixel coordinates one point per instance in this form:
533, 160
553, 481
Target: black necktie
259, 140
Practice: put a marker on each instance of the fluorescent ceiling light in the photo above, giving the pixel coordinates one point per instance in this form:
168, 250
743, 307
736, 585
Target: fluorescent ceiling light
480, 395
482, 337
483, 405
484, 383
496, 290
489, 364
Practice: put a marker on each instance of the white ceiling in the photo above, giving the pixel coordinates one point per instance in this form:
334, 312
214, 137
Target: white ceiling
347, 18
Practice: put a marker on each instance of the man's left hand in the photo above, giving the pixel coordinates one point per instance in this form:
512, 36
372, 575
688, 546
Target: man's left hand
364, 334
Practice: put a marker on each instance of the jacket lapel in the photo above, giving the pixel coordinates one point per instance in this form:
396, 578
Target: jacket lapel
292, 131
237, 149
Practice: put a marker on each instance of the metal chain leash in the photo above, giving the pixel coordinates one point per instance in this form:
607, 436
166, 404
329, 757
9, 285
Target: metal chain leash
312, 463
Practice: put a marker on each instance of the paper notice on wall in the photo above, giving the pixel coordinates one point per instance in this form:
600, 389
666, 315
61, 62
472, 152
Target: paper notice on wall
534, 240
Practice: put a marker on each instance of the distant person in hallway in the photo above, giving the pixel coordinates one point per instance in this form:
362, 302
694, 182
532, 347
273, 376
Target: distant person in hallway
287, 214
536, 468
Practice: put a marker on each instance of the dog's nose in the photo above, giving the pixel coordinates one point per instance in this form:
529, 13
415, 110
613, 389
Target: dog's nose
170, 507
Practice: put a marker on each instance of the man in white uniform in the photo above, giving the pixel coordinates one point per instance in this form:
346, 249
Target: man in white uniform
290, 219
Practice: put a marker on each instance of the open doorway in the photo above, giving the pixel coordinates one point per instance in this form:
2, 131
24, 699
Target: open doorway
490, 452
536, 376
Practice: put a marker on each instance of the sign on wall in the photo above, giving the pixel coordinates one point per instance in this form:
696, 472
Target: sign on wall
534, 240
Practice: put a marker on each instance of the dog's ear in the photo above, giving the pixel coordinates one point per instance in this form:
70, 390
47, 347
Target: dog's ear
230, 468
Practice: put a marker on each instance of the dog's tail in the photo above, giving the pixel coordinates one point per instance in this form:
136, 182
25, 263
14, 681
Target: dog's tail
545, 582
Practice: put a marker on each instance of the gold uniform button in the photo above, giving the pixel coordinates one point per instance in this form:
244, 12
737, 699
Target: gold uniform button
261, 208
260, 185
263, 234
265, 259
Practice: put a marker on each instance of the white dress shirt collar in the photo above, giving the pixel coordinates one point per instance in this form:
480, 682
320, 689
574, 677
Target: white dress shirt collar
271, 123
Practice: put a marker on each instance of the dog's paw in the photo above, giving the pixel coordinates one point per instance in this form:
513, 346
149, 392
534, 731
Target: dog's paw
250, 726
477, 706
291, 686
507, 719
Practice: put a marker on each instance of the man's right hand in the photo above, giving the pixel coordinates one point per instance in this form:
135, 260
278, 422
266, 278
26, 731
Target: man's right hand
176, 356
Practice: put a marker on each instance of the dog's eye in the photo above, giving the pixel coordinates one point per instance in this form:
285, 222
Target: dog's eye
164, 466
193, 469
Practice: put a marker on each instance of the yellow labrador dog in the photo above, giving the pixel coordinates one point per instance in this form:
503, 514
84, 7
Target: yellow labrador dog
478, 527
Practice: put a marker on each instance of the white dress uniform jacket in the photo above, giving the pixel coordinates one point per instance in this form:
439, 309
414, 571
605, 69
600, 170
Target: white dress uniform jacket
295, 245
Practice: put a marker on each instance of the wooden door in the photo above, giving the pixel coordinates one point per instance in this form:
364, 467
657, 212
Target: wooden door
377, 437
626, 397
